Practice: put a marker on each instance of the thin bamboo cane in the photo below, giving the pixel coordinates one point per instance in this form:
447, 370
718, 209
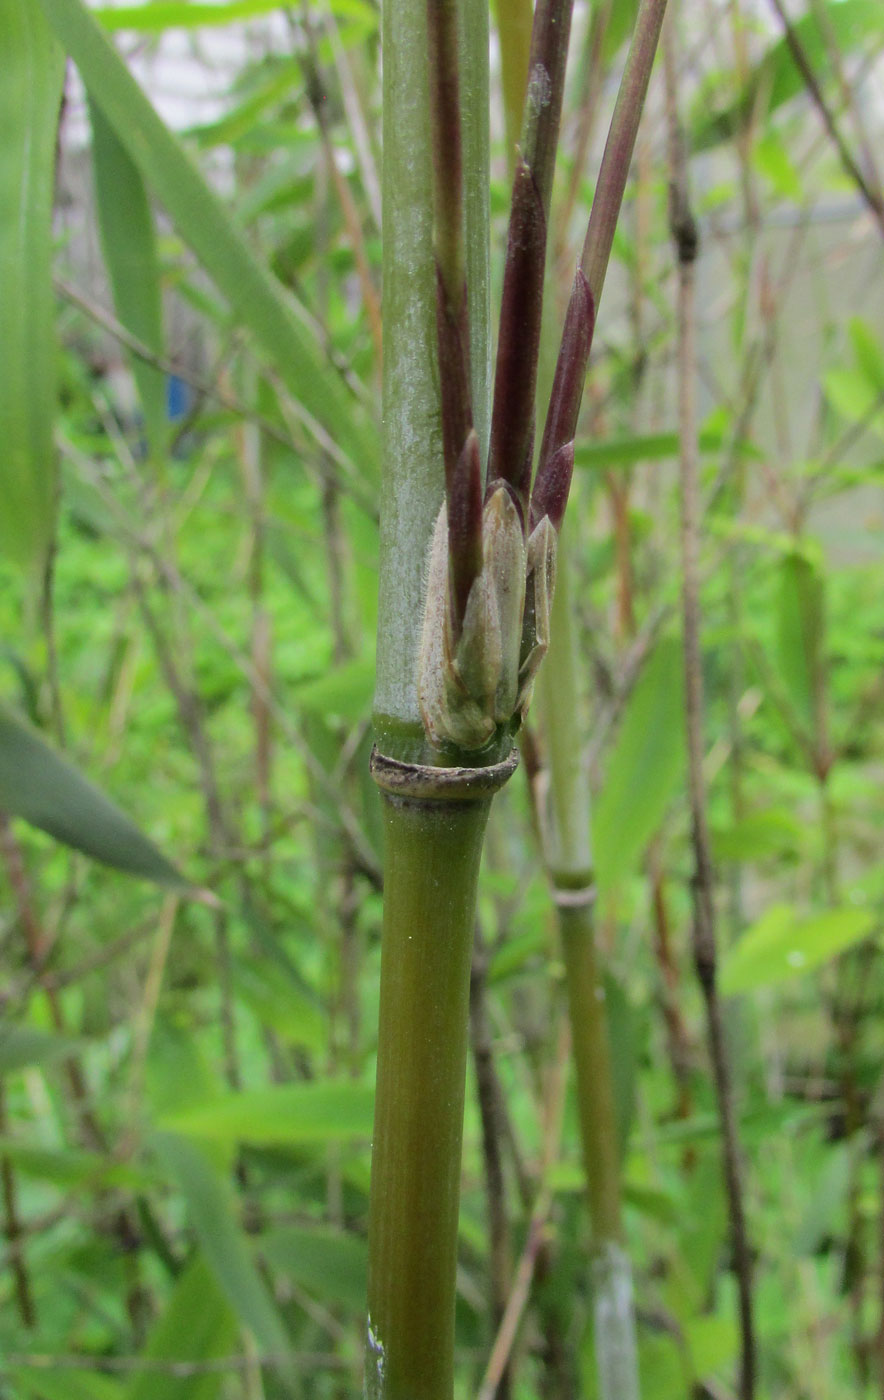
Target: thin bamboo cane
569, 866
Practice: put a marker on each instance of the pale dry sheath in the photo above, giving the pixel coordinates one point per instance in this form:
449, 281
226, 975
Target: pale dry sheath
472, 684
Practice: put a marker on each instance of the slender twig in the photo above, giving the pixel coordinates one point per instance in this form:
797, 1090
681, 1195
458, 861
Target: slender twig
24, 1294
873, 198
685, 239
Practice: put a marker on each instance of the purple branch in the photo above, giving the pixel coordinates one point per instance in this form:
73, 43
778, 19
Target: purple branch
550, 493
512, 421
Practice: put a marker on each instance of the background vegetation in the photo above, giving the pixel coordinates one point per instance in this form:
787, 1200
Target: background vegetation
187, 1072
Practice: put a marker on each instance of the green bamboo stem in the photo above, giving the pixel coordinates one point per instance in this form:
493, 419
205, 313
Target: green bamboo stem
434, 817
569, 865
434, 824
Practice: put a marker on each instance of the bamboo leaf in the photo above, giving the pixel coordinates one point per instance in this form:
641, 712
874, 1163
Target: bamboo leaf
21, 1046
326, 1262
42, 788
644, 769
197, 1325
783, 944
157, 16
868, 352
774, 832
800, 619
286, 1114
210, 1209
344, 693
776, 79
40, 1383
70, 1168
259, 303
30, 96
128, 239
649, 447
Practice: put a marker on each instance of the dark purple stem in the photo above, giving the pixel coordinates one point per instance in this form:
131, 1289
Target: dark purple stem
512, 421
550, 493
620, 144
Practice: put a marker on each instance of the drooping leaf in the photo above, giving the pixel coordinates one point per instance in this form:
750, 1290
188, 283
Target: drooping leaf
331, 1265
644, 768
260, 304
318, 1112
773, 832
21, 1046
41, 787
30, 97
67, 1167
648, 447
867, 351
197, 1325
783, 944
211, 1211
63, 1383
343, 694
128, 238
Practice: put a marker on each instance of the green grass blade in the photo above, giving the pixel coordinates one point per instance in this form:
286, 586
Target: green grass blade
41, 787
128, 238
30, 96
259, 303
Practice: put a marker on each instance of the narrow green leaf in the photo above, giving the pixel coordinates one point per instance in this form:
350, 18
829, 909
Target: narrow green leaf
318, 1112
128, 239
41, 787
155, 17
329, 1264
30, 97
852, 395
259, 302
867, 349
800, 641
21, 1046
67, 1167
649, 447
644, 769
281, 1007
197, 1325
211, 1211
783, 944
344, 693
770, 833
63, 1383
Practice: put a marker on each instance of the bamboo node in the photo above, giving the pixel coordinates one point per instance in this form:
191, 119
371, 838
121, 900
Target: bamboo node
575, 899
421, 782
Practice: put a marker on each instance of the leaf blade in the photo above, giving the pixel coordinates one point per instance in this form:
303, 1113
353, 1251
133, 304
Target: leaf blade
30, 99
46, 791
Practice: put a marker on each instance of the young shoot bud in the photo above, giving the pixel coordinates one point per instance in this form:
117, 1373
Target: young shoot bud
468, 678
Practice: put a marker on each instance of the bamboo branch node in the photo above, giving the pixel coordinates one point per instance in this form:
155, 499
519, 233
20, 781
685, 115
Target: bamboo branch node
575, 899
418, 782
